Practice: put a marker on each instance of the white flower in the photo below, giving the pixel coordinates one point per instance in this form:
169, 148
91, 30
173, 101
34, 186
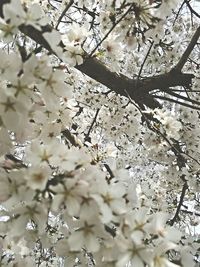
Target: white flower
50, 131
130, 253
14, 12
110, 200
34, 211
134, 223
37, 177
40, 154
159, 260
13, 112
172, 127
169, 122
113, 47
166, 7
73, 55
69, 159
53, 88
77, 34
157, 226
111, 150
7, 31
70, 194
5, 141
5, 191
35, 17
14, 189
53, 38
86, 235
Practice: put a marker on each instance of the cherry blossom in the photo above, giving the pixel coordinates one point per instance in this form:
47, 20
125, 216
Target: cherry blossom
99, 133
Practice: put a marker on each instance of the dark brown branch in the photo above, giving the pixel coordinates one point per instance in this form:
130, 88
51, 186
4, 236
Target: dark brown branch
188, 50
166, 80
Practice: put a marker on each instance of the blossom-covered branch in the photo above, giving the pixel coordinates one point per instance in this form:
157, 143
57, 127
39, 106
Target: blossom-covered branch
138, 90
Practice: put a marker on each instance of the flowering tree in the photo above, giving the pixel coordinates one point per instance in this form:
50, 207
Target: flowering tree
99, 133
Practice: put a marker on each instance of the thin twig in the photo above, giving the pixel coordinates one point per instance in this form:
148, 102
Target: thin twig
178, 12
176, 101
181, 90
141, 68
64, 12
191, 9
184, 189
92, 124
172, 93
191, 212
